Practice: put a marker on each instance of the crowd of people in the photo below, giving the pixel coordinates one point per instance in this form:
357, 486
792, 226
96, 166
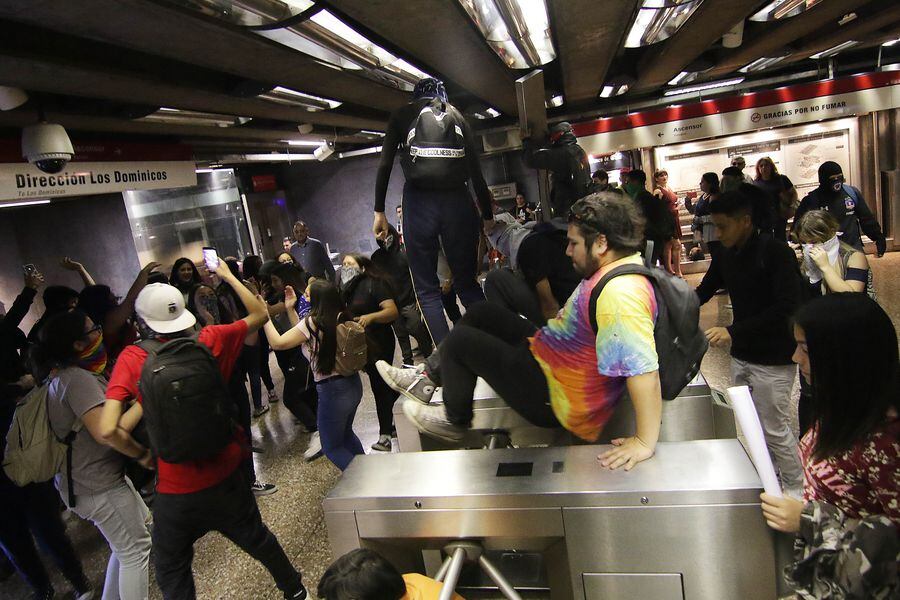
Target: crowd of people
153, 394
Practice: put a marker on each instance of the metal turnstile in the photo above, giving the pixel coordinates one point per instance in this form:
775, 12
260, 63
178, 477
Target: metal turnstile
685, 524
697, 414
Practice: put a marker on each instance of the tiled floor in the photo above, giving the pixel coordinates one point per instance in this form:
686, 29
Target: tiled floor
294, 513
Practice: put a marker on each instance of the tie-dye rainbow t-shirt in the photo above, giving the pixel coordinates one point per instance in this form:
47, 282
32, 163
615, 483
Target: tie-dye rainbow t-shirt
586, 373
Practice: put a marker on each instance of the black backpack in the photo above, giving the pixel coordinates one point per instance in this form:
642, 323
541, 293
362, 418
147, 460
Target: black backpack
188, 411
680, 343
433, 155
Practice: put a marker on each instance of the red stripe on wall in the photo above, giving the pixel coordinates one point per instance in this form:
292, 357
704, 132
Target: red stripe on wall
782, 95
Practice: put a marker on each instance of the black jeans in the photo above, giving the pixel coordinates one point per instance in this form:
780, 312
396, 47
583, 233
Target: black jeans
491, 342
35, 509
430, 218
300, 396
228, 507
238, 392
410, 322
384, 395
509, 290
264, 371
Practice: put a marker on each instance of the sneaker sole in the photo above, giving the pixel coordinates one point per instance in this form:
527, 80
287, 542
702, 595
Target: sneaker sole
400, 390
423, 429
378, 448
264, 492
318, 454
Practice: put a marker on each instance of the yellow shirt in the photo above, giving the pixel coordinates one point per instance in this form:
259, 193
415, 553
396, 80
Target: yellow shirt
420, 587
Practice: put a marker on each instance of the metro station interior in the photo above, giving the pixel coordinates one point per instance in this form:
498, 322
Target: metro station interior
143, 138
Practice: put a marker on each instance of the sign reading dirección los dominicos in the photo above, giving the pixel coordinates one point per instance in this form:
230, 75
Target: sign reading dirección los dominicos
20, 181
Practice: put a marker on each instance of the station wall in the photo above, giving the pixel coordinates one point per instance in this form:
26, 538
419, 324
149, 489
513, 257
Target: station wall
91, 229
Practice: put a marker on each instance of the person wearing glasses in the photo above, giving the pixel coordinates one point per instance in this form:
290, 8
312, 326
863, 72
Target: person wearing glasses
847, 205
563, 374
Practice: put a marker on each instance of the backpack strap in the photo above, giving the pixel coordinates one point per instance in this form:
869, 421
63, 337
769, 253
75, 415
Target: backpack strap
598, 288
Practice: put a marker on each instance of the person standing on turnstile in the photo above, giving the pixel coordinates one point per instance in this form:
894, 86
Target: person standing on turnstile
438, 156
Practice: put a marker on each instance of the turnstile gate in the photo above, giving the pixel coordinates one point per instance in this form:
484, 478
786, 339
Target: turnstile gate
685, 524
696, 414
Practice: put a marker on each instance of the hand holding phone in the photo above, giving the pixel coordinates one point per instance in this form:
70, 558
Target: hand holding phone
211, 258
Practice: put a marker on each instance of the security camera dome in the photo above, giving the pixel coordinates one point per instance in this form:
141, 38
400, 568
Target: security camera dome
47, 146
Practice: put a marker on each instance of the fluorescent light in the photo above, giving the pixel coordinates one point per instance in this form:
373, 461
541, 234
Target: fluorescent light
890, 43
835, 49
493, 113
361, 152
488, 113
193, 117
762, 63
679, 78
556, 101
622, 89
783, 9
310, 143
274, 157
203, 171
26, 203
372, 133
518, 31
283, 95
704, 86
607, 91
658, 20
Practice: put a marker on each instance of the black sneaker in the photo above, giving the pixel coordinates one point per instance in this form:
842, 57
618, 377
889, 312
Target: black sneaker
298, 595
263, 489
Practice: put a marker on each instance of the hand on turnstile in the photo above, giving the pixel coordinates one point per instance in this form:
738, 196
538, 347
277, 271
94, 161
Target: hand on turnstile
782, 514
629, 452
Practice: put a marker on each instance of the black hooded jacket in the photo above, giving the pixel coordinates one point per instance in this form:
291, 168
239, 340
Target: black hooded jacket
569, 167
850, 209
393, 261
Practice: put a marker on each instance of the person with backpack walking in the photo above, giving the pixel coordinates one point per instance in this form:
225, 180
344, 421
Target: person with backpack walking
847, 205
31, 509
367, 293
196, 445
72, 357
563, 374
761, 276
438, 155
324, 337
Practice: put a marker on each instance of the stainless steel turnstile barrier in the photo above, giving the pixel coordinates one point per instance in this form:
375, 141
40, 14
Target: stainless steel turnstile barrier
697, 414
685, 524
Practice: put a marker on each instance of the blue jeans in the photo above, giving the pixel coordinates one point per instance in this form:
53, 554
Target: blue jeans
432, 218
339, 398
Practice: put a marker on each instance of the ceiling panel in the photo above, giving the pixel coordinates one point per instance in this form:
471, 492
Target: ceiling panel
181, 35
439, 34
589, 37
861, 30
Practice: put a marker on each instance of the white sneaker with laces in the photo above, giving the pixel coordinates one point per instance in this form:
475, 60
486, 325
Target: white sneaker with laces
263, 489
314, 449
431, 419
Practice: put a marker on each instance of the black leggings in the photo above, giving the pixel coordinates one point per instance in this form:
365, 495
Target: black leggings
238, 391
491, 342
384, 395
300, 396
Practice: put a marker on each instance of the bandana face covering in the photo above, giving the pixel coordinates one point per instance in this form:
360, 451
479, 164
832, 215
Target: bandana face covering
93, 358
303, 307
831, 247
348, 274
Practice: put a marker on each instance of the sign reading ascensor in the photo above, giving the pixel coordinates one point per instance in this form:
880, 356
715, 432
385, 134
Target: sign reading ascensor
19, 181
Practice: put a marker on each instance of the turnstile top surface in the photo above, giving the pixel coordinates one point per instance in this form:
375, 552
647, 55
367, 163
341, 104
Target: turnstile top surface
698, 472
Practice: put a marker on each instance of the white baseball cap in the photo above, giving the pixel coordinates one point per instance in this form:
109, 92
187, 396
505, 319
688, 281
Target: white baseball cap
161, 307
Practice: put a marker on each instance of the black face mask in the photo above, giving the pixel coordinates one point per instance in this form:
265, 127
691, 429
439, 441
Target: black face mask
834, 185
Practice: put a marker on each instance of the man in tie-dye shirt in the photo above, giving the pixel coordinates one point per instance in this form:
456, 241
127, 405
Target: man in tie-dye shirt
564, 373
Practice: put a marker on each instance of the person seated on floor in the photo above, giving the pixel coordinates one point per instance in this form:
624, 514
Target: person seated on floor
363, 574
565, 373
540, 277
847, 523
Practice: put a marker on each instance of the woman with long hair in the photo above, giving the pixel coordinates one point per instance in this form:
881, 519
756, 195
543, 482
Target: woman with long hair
339, 395
72, 355
702, 225
184, 276
366, 291
672, 252
250, 271
782, 194
829, 264
850, 511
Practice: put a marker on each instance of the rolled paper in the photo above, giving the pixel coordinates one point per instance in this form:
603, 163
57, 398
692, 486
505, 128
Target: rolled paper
745, 412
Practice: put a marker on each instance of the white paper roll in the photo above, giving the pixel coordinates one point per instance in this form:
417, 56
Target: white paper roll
745, 412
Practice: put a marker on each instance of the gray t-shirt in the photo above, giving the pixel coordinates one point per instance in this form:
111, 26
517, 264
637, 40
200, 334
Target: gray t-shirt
95, 467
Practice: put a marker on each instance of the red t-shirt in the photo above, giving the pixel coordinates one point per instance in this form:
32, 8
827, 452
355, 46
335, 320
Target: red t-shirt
225, 343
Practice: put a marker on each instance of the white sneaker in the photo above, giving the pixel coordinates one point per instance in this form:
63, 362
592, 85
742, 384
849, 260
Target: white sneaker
263, 489
411, 383
314, 450
431, 419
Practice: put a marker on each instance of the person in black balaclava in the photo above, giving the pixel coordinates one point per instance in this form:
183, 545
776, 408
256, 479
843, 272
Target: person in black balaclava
438, 155
570, 173
847, 204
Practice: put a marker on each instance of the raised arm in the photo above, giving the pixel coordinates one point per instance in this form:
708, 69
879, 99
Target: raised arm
256, 306
118, 316
71, 265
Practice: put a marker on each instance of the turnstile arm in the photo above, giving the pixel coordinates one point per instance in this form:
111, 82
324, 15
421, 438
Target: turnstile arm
498, 578
453, 572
